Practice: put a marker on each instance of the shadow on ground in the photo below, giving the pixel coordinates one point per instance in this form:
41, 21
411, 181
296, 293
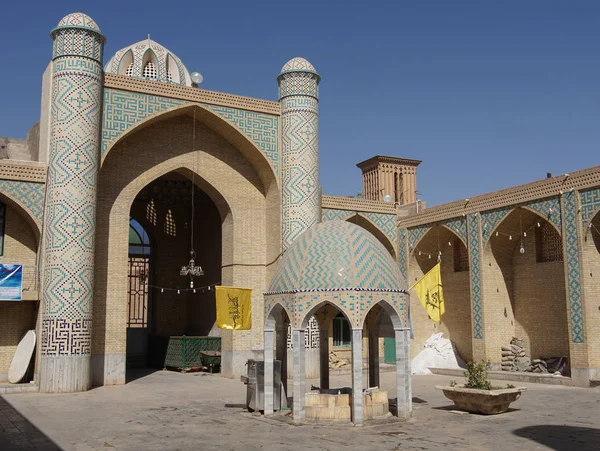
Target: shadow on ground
562, 438
17, 433
133, 374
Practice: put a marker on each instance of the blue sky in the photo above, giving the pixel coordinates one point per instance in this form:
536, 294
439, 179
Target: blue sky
487, 94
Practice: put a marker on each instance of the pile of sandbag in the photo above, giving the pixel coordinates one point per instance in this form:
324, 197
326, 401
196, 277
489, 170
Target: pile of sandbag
438, 352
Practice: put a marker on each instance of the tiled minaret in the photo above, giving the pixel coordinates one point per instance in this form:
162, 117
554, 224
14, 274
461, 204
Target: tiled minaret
70, 211
299, 98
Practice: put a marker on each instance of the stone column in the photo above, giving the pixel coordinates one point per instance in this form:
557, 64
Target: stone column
357, 379
324, 357
268, 379
299, 411
282, 354
403, 376
476, 283
299, 99
373, 358
70, 210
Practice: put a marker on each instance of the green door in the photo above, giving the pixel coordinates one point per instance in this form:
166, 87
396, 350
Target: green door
389, 350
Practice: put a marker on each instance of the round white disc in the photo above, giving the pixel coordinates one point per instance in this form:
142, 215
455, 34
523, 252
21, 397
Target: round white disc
22, 357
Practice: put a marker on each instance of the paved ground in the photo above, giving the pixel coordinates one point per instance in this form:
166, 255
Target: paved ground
173, 411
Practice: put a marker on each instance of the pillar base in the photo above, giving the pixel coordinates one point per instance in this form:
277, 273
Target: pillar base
65, 374
108, 369
582, 377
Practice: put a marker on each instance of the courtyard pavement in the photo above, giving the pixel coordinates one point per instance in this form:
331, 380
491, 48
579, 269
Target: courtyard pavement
198, 411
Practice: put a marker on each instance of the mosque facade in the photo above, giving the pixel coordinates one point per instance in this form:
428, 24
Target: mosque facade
133, 170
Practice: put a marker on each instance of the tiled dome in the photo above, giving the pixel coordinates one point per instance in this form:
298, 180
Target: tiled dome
298, 65
148, 59
337, 255
79, 20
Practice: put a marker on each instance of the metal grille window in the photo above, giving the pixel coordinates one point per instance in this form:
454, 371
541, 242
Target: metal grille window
341, 332
150, 70
548, 243
138, 292
461, 257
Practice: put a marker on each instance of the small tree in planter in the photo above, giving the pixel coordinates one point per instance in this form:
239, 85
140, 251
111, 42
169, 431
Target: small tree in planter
478, 395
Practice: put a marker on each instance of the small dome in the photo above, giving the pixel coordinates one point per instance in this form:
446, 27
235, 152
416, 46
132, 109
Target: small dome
337, 255
298, 65
78, 20
148, 59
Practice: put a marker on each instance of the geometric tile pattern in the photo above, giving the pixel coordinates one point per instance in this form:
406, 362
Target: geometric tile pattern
490, 220
28, 195
573, 265
124, 109
402, 260
300, 166
337, 255
260, 128
386, 223
458, 226
298, 96
70, 217
415, 235
590, 204
474, 247
548, 209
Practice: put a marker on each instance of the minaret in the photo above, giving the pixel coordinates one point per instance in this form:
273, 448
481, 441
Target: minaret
70, 210
299, 98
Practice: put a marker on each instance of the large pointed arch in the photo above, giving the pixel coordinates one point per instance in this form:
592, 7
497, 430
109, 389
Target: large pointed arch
16, 205
230, 132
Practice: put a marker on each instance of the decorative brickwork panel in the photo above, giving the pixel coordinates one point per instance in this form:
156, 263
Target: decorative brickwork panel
260, 128
573, 266
458, 226
474, 247
300, 166
415, 235
590, 204
28, 195
70, 217
124, 109
549, 209
490, 220
384, 222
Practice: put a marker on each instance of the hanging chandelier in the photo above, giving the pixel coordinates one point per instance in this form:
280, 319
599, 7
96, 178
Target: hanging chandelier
191, 269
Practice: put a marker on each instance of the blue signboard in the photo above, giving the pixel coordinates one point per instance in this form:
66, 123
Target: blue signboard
11, 282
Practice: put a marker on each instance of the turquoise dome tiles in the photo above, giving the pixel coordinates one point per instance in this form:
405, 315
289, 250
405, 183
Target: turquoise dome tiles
298, 64
337, 255
385, 222
123, 110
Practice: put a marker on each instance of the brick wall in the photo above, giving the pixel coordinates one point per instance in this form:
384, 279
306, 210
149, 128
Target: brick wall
591, 287
456, 321
16, 318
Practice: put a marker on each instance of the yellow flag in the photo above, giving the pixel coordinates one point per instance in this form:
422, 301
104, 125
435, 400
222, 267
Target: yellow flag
234, 308
429, 290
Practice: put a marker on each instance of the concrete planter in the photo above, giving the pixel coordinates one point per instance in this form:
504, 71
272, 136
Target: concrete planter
487, 402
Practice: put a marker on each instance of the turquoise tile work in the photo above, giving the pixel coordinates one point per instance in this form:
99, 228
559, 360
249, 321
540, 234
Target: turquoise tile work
573, 266
548, 209
124, 109
490, 220
476, 282
384, 222
590, 204
28, 195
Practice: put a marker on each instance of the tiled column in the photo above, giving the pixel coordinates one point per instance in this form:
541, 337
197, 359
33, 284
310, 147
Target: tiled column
476, 279
299, 99
403, 376
373, 358
299, 411
357, 379
324, 357
282, 353
268, 379
70, 209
